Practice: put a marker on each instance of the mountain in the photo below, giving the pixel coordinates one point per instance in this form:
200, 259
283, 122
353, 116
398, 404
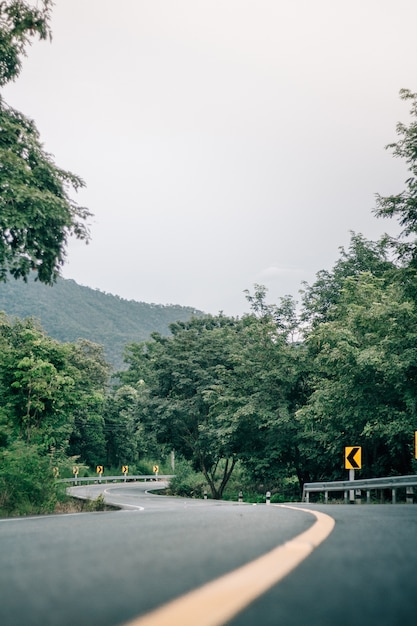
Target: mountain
68, 311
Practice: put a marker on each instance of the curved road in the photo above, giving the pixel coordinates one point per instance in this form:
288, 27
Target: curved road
108, 568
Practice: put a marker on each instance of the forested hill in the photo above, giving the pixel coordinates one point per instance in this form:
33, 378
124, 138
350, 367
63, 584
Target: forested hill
68, 311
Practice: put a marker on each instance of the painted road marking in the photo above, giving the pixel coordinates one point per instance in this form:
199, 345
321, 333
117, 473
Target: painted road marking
217, 602
136, 507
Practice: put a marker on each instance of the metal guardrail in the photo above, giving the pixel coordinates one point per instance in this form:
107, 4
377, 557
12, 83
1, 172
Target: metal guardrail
114, 479
363, 484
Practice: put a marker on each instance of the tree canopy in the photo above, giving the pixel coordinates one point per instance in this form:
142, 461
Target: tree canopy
37, 214
403, 205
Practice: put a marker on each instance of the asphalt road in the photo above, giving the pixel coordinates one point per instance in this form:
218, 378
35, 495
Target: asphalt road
106, 568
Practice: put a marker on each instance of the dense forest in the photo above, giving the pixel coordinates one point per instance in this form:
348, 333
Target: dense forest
268, 399
68, 312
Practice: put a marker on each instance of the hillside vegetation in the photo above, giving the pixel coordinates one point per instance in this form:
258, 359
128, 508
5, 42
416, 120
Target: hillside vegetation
68, 311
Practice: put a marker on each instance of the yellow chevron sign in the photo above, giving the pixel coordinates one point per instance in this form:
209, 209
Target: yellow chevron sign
353, 457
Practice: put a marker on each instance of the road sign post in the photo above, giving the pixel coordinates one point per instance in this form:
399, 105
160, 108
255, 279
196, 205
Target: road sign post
99, 471
125, 470
353, 461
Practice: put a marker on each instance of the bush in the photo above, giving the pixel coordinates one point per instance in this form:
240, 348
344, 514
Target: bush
98, 504
186, 482
27, 484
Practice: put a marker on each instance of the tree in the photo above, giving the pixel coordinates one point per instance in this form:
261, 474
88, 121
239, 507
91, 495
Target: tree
321, 299
36, 386
52, 398
223, 390
275, 372
123, 428
90, 373
404, 204
19, 22
364, 379
27, 483
182, 375
37, 214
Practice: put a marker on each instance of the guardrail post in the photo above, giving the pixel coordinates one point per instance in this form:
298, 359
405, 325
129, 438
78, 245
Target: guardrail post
326, 497
409, 495
394, 495
368, 496
346, 496
240, 497
205, 494
358, 496
268, 497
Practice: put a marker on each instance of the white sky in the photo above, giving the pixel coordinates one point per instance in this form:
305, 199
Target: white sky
223, 142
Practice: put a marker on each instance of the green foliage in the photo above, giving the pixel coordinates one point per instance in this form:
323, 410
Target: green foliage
123, 428
27, 484
403, 205
91, 373
68, 311
365, 368
46, 390
187, 482
220, 389
321, 299
36, 386
19, 23
37, 214
98, 504
179, 375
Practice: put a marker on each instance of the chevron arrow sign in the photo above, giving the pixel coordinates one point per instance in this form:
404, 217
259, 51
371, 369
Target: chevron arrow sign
353, 457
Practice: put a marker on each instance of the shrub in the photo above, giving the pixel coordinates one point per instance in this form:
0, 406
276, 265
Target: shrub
187, 482
27, 484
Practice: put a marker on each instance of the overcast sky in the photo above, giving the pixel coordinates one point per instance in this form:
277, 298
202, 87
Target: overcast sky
223, 142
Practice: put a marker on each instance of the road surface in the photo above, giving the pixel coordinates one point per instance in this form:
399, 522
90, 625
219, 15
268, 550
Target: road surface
106, 569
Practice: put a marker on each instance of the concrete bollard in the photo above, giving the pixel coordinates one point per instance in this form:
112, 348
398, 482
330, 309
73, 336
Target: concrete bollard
268, 497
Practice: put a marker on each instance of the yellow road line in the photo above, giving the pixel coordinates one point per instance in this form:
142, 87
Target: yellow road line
217, 602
